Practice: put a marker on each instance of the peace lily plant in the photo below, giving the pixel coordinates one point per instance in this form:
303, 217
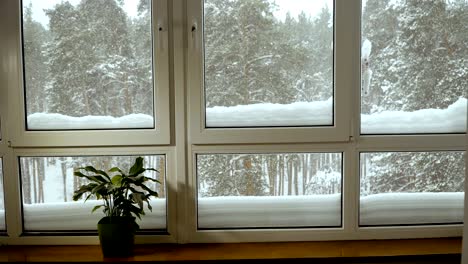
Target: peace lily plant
124, 195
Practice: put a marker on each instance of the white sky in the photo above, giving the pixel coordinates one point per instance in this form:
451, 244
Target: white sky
294, 7
130, 6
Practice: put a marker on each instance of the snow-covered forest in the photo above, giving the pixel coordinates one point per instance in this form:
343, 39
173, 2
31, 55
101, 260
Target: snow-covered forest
48, 184
50, 179
93, 60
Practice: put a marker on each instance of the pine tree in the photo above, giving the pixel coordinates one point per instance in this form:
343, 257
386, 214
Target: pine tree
35, 62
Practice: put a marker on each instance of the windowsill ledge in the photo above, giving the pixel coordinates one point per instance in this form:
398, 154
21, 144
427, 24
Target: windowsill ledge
428, 250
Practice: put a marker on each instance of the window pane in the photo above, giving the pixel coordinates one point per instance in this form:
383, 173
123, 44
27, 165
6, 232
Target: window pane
48, 185
88, 64
401, 188
2, 201
268, 63
269, 190
414, 73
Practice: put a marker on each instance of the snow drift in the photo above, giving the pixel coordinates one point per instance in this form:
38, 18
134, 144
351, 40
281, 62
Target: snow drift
449, 120
452, 119
411, 208
78, 216
282, 211
43, 121
269, 211
267, 114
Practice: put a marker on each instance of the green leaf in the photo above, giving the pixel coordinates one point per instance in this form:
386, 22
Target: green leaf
151, 169
149, 205
116, 169
151, 179
82, 190
98, 189
95, 178
138, 199
96, 207
138, 166
117, 180
149, 190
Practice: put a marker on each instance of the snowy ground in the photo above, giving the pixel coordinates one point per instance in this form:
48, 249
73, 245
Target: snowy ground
451, 119
282, 211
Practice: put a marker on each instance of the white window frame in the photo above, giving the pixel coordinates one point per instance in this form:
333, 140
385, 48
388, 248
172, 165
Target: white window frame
16, 141
344, 79
203, 140
20, 137
183, 134
14, 216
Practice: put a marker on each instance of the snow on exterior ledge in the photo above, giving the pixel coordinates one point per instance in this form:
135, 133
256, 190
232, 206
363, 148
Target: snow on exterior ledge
269, 211
412, 208
282, 211
450, 120
78, 216
48, 121
268, 114
325, 210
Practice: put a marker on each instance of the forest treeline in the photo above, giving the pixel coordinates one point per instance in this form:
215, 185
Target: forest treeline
95, 59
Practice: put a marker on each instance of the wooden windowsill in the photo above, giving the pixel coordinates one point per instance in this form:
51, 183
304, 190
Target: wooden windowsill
241, 251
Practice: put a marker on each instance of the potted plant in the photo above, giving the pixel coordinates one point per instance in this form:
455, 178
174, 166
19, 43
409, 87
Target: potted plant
123, 195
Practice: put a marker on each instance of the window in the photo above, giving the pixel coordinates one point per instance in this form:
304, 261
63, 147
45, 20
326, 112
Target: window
269, 190
271, 120
413, 78
268, 67
404, 188
81, 74
89, 69
48, 185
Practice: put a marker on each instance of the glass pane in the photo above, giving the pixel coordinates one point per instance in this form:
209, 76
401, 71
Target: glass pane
414, 73
405, 188
269, 190
2, 201
268, 63
48, 184
88, 64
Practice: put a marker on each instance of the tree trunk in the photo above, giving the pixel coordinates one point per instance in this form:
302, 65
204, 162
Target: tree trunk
34, 176
290, 181
41, 180
26, 177
162, 177
63, 165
